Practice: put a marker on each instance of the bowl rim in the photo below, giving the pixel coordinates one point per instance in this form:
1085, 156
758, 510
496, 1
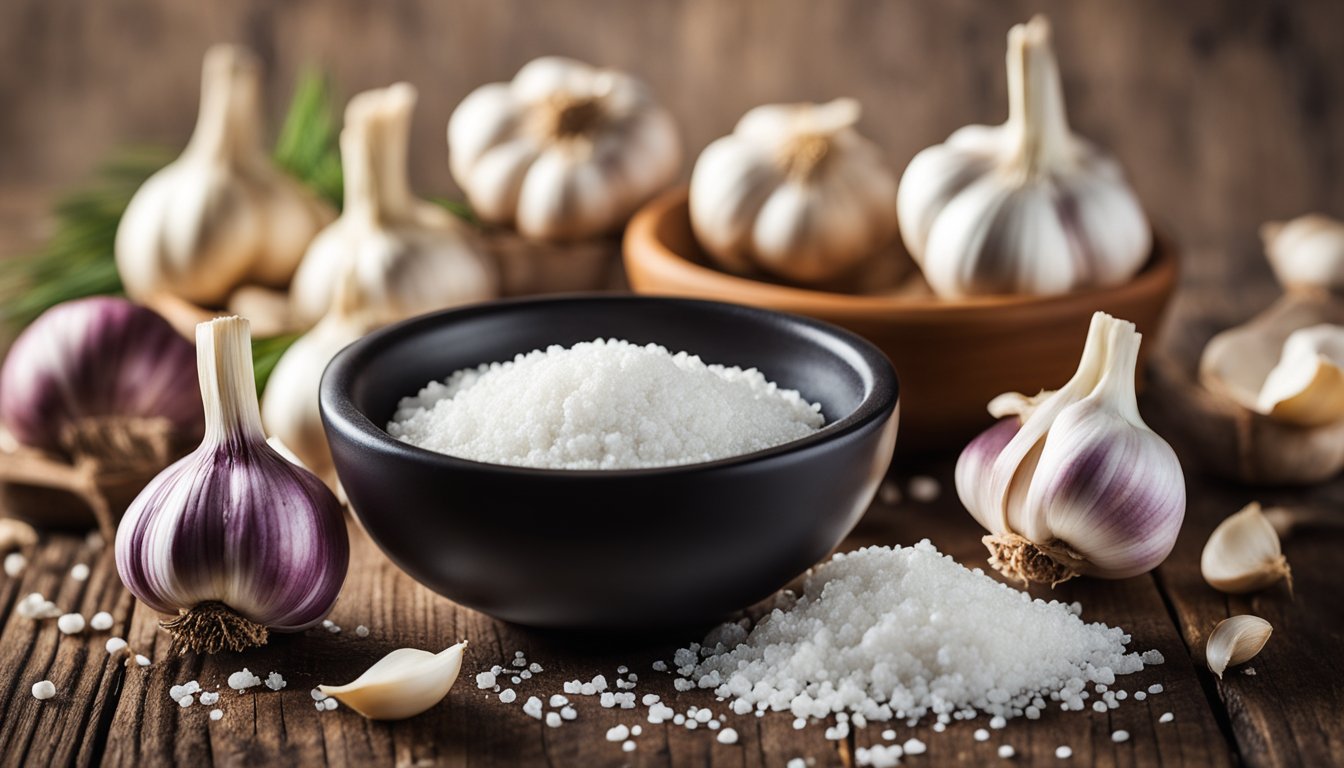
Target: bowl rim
645, 246
339, 411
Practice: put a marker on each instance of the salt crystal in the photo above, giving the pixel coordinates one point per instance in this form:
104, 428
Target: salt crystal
275, 682
997, 722
1248, 671
553, 719
652, 698
889, 735
1166, 717
558, 701
1119, 737
573, 686
925, 489
727, 736
70, 624
1152, 658
15, 562
1063, 752
184, 702
679, 719
526, 675
660, 666
618, 733
981, 734
317, 694
532, 708
507, 696
80, 572
628, 746
837, 732
534, 668
515, 679
216, 714
1099, 706
209, 697
142, 660
713, 725
243, 679
329, 704
607, 700
115, 644
621, 670
485, 680
1155, 688
362, 631
703, 715
43, 690
914, 747
636, 730
101, 621
1006, 751
588, 689
568, 713
1140, 695
647, 408
691, 725
1121, 695
796, 762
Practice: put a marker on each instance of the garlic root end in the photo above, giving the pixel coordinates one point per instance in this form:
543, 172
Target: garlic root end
211, 627
1021, 559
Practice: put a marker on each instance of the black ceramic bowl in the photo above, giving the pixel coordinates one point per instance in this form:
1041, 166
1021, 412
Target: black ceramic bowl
627, 549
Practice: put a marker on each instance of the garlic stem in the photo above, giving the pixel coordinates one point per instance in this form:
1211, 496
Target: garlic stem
1035, 99
1117, 380
394, 127
359, 161
228, 385
229, 120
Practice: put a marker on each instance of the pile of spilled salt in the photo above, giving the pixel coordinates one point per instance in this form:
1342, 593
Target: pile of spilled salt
902, 633
603, 405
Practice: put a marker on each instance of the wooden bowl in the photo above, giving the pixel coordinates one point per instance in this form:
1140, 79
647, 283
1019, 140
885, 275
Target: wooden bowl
953, 355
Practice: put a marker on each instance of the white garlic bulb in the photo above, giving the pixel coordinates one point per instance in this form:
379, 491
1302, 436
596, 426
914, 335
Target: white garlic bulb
1026, 207
563, 152
410, 256
1073, 481
795, 191
1307, 252
289, 409
221, 215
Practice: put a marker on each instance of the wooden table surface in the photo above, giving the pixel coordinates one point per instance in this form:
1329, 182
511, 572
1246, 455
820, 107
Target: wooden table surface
1291, 712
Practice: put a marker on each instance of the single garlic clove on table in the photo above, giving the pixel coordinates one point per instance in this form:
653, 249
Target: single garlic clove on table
1236, 641
1306, 388
1243, 554
402, 684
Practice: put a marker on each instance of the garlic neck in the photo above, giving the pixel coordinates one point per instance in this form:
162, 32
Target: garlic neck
228, 385
1037, 123
228, 126
374, 147
1116, 387
804, 153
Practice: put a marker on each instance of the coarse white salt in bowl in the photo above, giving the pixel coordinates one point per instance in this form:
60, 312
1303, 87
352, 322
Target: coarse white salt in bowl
604, 404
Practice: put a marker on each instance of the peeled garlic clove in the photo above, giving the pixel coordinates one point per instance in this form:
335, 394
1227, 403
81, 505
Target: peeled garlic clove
402, 684
1243, 554
1307, 386
1235, 641
1307, 252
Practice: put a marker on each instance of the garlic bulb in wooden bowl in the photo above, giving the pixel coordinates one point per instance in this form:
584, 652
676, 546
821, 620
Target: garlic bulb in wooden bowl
564, 151
1027, 207
794, 191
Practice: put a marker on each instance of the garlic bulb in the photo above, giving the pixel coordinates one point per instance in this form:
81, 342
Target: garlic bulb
402, 684
1072, 481
563, 152
1026, 207
97, 359
1235, 641
1243, 554
289, 410
795, 191
221, 215
233, 539
411, 256
1307, 252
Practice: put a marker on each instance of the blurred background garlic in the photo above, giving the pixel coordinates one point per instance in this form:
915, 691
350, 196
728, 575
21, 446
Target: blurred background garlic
1306, 252
1026, 207
794, 191
221, 215
565, 151
409, 256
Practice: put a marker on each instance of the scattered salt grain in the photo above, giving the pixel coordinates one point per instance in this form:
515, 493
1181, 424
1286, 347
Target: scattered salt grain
1006, 751
534, 668
532, 708
178, 692
1248, 671
515, 679
1153, 658
275, 682
485, 680
70, 624
329, 704
1140, 695
184, 702
216, 714
889, 735
507, 696
636, 730
1099, 706
209, 697
998, 722
242, 680
727, 736
317, 694
925, 489
1063, 752
879, 756
43, 690
628, 746
604, 404
558, 700
799, 724
568, 713
981, 734
362, 631
618, 733
1155, 688
945, 639
796, 762
553, 719
115, 644
1166, 717
1120, 737
15, 562
914, 747
101, 621
142, 660
80, 572
652, 698
660, 666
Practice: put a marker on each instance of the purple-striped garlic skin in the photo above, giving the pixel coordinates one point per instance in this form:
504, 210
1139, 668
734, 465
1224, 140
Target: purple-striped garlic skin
973, 467
97, 357
235, 522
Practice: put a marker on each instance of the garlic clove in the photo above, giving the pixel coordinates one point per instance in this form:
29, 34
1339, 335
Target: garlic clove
402, 684
1306, 388
1307, 252
1235, 641
1243, 554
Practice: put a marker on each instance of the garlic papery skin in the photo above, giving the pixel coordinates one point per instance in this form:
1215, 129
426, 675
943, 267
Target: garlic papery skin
289, 410
411, 256
1026, 207
402, 684
1307, 253
1235, 641
99, 359
564, 151
233, 540
221, 214
794, 191
1243, 554
1306, 388
1073, 481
